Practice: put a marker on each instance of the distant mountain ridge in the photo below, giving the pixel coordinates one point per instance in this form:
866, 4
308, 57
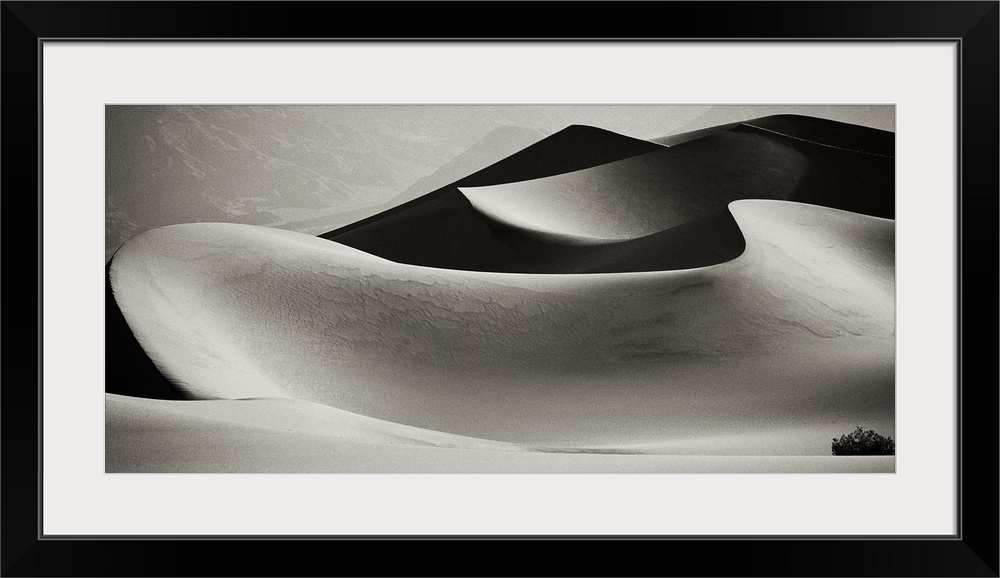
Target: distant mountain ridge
495, 146
281, 166
498, 144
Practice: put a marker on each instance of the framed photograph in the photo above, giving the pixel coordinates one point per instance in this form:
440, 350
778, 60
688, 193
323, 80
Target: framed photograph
641, 289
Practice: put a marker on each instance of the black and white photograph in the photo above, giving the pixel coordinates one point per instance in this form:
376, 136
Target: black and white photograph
500, 289
636, 286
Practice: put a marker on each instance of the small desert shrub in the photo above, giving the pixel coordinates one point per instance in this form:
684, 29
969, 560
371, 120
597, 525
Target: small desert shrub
863, 443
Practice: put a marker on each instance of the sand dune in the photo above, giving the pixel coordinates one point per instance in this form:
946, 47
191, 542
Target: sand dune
543, 224
590, 303
441, 229
649, 193
230, 311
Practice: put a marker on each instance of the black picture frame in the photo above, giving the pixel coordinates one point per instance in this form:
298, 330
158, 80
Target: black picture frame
972, 552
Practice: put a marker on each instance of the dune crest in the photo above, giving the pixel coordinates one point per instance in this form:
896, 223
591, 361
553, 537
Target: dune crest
533, 215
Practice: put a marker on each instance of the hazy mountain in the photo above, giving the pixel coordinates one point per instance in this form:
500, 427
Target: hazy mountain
269, 165
878, 117
492, 148
314, 168
498, 144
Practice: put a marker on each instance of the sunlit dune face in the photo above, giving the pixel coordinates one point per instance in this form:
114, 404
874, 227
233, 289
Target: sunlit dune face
233, 311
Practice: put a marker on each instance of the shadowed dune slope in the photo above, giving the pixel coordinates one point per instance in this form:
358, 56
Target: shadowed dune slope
497, 145
797, 329
573, 148
425, 230
447, 232
652, 192
683, 137
831, 133
128, 370
566, 222
685, 246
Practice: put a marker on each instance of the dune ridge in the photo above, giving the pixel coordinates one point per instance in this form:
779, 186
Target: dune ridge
573, 148
513, 223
